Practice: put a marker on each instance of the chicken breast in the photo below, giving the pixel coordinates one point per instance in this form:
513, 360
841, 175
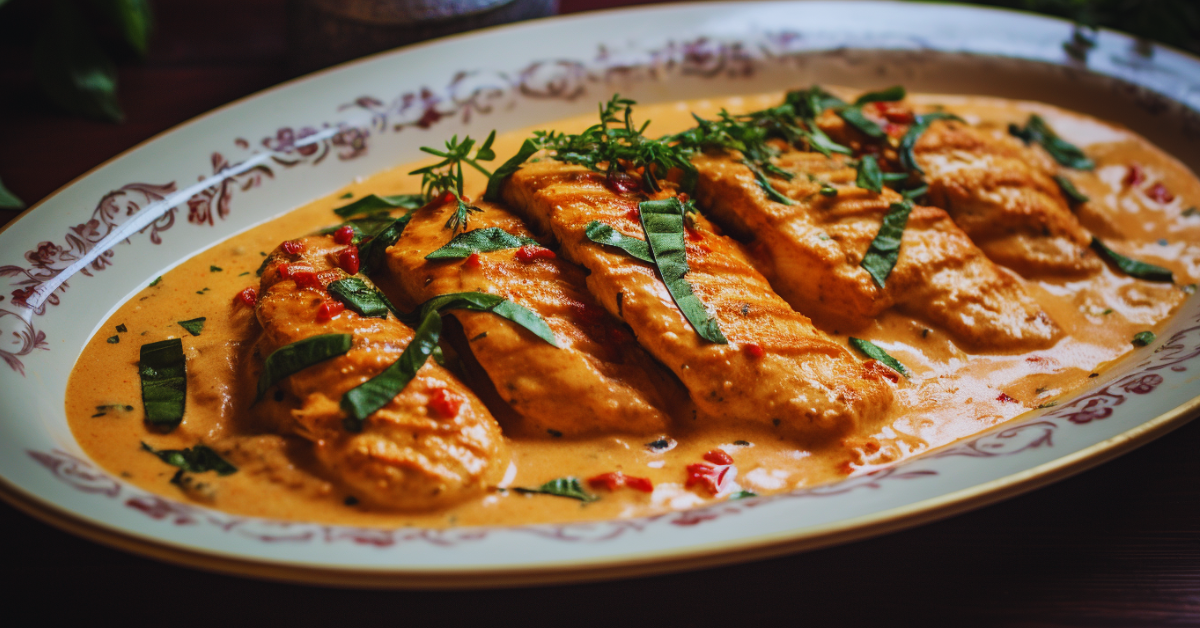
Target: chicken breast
776, 370
433, 445
598, 380
813, 250
999, 191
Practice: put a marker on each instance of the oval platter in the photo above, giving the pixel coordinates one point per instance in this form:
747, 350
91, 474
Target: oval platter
240, 165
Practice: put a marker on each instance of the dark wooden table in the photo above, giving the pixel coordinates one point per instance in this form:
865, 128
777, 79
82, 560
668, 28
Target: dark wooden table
1117, 545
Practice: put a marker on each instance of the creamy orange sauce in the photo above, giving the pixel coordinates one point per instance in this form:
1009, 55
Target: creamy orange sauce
952, 393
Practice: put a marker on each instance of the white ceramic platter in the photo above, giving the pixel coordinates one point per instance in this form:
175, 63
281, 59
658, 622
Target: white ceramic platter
373, 114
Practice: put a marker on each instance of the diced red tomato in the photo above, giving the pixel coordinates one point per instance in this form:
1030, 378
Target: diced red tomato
639, 484
1160, 194
344, 235
285, 270
249, 297
306, 279
532, 253
472, 261
1006, 399
707, 476
1134, 176
347, 260
718, 456
446, 403
328, 310
753, 350
293, 247
615, 480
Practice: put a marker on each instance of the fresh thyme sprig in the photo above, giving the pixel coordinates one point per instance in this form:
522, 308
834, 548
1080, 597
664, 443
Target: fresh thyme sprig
447, 175
617, 144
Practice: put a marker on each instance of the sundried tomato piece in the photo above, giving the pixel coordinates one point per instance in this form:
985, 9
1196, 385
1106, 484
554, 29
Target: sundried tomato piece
753, 350
718, 456
611, 481
1004, 397
293, 247
531, 253
1134, 176
472, 261
328, 310
1160, 194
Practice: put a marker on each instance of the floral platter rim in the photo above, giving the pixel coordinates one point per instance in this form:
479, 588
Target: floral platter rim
212, 204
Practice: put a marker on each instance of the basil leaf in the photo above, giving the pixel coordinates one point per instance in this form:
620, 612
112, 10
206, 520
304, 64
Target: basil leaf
909, 160
373, 203
8, 200
885, 248
822, 143
873, 351
72, 69
373, 254
360, 297
601, 233
506, 169
890, 94
1132, 267
1064, 152
742, 495
134, 20
196, 459
291, 359
855, 118
479, 241
194, 326
483, 302
363, 400
809, 103
1069, 190
663, 223
869, 176
915, 193
561, 487
163, 371
1143, 338
765, 184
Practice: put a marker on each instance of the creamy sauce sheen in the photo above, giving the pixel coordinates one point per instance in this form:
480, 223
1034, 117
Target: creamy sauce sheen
952, 393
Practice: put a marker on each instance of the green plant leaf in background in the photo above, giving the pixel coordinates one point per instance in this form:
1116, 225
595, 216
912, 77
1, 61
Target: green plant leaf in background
8, 200
134, 20
73, 71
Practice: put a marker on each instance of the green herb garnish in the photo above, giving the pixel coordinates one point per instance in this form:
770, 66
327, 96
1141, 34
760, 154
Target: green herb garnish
1143, 338
870, 177
891, 94
155, 282
479, 241
363, 400
601, 233
908, 160
112, 340
875, 352
163, 371
483, 302
1132, 267
561, 487
347, 195
373, 254
662, 222
215, 269
195, 459
885, 248
496, 181
8, 200
447, 174
290, 359
374, 203
1069, 190
193, 326
761, 178
122, 328
855, 118
369, 225
742, 495
360, 297
1064, 152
